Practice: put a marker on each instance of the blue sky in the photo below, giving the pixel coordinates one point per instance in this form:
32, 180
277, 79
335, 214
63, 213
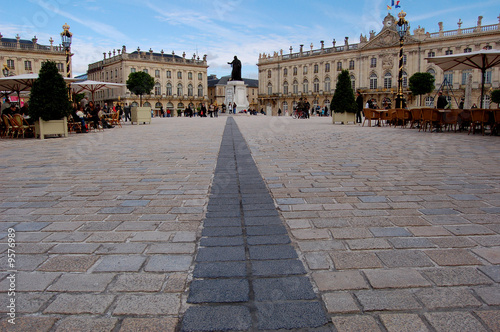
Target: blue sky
222, 28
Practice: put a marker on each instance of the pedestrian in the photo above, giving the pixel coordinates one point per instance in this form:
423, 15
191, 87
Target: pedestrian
127, 111
442, 101
359, 104
461, 105
279, 111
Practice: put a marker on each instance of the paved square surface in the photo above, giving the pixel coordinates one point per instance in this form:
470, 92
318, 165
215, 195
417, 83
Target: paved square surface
389, 229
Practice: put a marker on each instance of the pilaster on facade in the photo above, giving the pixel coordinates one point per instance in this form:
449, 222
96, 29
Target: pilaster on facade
373, 64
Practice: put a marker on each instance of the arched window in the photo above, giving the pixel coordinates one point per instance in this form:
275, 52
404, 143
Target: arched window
316, 85
179, 90
158, 105
147, 104
295, 87
387, 80
190, 90
200, 90
134, 104
373, 81
170, 106
285, 88
285, 106
353, 82
269, 88
432, 72
169, 89
327, 84
305, 86
157, 89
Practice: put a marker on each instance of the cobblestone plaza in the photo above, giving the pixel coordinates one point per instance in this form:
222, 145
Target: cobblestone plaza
249, 223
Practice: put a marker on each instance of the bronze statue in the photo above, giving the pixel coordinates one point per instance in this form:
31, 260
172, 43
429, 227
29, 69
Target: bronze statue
236, 72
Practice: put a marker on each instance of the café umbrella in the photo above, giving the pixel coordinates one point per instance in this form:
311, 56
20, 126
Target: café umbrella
482, 60
93, 86
22, 82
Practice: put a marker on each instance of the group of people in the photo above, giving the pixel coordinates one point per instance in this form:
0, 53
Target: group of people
10, 109
89, 113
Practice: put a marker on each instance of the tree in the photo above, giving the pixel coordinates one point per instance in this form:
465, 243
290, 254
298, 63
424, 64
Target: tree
49, 98
421, 84
495, 96
343, 98
140, 83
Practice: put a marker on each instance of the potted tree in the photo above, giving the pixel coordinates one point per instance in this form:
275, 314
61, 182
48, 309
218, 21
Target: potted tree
140, 83
421, 84
49, 102
343, 104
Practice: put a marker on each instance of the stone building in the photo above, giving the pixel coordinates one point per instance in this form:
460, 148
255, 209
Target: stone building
21, 56
373, 64
217, 90
179, 81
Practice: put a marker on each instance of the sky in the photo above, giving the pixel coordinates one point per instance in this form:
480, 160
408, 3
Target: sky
222, 29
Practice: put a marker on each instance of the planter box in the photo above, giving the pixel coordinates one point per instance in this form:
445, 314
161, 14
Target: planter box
140, 115
344, 118
52, 127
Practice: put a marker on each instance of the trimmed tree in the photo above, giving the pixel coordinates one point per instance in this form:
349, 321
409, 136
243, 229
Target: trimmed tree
140, 83
343, 99
421, 84
49, 98
495, 97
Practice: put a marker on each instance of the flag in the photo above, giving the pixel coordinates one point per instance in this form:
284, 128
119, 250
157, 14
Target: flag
389, 7
397, 4
392, 2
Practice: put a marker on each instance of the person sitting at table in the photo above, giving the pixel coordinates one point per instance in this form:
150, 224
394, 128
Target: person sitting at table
78, 116
93, 114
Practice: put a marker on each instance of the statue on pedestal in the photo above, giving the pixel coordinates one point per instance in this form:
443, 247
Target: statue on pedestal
236, 72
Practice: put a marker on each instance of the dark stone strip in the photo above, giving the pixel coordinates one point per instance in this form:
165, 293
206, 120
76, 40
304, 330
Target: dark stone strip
247, 275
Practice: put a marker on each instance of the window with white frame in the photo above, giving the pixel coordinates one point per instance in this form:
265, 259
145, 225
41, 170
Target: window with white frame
305, 86
327, 84
200, 90
448, 76
285, 88
387, 80
157, 73
200, 76
11, 64
465, 75
27, 65
448, 52
429, 101
373, 62
405, 79
295, 87
179, 89
327, 67
190, 90
353, 82
157, 89
304, 70
294, 71
373, 81
431, 54
269, 88
467, 50
316, 69
179, 75
169, 89
339, 66
316, 85
351, 65
190, 76
487, 77
169, 74
285, 71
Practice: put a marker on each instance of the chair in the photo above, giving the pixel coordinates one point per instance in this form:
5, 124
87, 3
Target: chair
402, 117
465, 119
416, 117
23, 125
479, 117
370, 115
386, 116
450, 119
7, 128
430, 117
14, 127
74, 126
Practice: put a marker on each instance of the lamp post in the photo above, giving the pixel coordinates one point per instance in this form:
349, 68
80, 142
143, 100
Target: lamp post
5, 70
66, 37
402, 28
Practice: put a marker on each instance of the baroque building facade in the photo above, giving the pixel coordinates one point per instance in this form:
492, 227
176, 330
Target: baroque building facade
21, 56
217, 90
373, 64
179, 81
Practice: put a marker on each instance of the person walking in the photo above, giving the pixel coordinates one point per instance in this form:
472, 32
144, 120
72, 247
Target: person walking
359, 103
442, 101
127, 112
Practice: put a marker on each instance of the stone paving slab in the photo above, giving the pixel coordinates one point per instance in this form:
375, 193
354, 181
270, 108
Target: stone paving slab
373, 210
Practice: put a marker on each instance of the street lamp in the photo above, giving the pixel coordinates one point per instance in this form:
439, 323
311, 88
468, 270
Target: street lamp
5, 70
402, 28
66, 42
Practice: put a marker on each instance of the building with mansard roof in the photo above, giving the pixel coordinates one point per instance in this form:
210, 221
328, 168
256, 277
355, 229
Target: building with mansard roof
179, 81
373, 64
21, 56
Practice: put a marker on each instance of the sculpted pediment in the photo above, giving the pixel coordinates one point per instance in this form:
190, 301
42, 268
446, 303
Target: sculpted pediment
388, 37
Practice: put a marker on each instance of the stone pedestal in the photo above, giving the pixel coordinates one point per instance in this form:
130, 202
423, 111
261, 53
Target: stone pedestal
236, 92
